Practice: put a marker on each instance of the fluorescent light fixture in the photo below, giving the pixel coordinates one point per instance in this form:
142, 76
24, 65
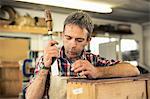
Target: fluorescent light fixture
75, 4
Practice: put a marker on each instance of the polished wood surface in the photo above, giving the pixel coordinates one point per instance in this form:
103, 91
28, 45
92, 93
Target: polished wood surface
112, 88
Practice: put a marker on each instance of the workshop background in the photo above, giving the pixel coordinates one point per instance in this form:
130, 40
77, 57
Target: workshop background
121, 31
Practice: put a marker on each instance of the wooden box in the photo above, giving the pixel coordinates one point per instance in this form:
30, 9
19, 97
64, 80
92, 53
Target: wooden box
116, 88
10, 79
10, 88
9, 73
9, 70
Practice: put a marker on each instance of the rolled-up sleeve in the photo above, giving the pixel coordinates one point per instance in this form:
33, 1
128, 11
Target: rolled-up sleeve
104, 62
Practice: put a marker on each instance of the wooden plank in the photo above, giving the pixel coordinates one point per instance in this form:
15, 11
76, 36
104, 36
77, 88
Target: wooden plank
111, 80
124, 90
118, 88
0, 88
148, 88
80, 91
9, 73
9, 64
13, 49
23, 29
10, 88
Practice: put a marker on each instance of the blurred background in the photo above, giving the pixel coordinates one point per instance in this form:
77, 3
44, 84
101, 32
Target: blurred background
121, 31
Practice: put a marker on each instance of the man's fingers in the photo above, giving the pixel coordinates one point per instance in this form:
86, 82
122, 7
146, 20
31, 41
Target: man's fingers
52, 42
49, 55
50, 48
48, 62
82, 68
51, 52
77, 64
84, 73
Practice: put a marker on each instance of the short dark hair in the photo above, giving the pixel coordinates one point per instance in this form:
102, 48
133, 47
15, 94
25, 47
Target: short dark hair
82, 19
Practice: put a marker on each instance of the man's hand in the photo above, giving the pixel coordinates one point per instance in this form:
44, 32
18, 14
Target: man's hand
85, 68
50, 51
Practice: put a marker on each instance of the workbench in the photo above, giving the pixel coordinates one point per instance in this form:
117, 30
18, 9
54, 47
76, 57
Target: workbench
112, 88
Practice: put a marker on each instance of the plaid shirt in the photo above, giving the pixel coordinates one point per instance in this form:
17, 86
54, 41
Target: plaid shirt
64, 65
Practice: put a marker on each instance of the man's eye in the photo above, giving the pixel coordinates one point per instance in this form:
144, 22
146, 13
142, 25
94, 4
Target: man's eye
80, 40
68, 38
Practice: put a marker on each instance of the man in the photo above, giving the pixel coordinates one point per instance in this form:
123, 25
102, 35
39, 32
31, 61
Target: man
73, 60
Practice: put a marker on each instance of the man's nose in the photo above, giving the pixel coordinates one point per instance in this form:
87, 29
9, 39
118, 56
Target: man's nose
73, 43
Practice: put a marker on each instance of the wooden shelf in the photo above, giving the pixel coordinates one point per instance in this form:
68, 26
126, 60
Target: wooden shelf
23, 29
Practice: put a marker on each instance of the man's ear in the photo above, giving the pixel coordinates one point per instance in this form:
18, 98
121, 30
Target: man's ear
89, 39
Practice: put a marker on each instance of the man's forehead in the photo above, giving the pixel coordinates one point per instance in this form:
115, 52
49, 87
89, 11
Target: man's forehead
74, 28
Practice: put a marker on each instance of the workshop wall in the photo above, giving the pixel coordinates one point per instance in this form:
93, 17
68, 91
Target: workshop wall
58, 19
146, 29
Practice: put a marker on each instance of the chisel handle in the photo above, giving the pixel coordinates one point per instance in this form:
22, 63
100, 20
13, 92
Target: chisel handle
48, 20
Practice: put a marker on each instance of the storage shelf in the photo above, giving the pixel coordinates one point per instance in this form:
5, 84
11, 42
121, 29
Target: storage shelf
23, 29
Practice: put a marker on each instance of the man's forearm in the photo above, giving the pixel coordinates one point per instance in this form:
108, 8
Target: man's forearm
37, 87
119, 70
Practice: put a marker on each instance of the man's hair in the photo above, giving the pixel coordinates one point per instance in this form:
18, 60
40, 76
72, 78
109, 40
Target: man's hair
82, 19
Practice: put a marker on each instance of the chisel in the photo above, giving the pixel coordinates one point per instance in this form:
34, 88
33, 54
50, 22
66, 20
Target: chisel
48, 20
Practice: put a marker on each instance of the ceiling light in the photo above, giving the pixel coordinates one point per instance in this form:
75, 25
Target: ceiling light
75, 4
